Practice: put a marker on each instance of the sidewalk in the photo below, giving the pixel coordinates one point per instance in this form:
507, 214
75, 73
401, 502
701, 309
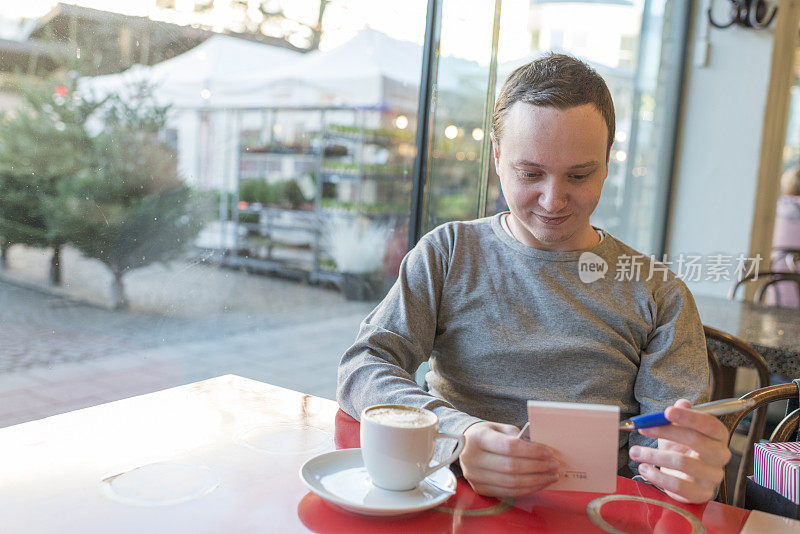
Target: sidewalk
188, 322
303, 358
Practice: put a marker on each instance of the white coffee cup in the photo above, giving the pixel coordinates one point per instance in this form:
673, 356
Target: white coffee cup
397, 444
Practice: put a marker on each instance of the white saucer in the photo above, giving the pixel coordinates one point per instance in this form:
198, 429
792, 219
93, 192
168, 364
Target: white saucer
341, 478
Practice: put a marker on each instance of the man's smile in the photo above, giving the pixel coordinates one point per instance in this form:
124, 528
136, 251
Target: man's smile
551, 221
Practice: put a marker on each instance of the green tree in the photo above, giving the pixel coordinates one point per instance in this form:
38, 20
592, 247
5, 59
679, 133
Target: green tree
132, 209
273, 20
42, 144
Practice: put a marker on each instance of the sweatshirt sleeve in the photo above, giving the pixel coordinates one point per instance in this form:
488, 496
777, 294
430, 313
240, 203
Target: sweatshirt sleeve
674, 364
396, 338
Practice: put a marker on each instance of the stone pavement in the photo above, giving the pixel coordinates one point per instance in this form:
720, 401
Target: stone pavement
64, 350
302, 357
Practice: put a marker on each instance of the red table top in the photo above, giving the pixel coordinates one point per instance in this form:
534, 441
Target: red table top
545, 511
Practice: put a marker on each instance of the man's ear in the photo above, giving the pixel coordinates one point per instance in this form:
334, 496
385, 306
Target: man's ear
495, 153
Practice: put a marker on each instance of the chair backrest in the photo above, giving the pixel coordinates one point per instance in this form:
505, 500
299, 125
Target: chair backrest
714, 373
762, 396
787, 256
741, 347
787, 428
767, 279
759, 421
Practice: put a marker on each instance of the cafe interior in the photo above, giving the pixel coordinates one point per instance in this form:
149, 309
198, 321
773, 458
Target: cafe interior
175, 310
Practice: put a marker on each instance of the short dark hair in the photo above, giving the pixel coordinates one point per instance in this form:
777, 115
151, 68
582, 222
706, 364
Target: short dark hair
559, 81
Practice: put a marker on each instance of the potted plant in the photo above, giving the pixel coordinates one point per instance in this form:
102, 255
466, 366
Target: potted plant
357, 246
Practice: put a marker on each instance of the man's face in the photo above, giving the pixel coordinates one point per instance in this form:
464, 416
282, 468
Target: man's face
552, 164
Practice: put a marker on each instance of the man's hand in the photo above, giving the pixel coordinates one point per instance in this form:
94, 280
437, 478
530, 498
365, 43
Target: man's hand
498, 464
692, 454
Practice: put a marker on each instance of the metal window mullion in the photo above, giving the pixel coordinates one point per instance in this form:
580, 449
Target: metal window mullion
430, 55
234, 165
628, 184
666, 189
323, 129
486, 157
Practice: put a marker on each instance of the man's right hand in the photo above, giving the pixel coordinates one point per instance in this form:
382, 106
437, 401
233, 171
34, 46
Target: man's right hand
498, 464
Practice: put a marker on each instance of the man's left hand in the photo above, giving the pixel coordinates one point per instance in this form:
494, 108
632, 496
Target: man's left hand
692, 453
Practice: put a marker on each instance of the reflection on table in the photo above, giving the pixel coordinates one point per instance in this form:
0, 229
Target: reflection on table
223, 455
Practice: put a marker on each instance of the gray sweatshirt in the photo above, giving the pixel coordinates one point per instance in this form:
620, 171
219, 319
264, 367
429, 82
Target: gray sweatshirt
501, 323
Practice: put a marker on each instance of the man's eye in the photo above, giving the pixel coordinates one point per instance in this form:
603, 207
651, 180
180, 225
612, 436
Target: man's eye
531, 174
579, 176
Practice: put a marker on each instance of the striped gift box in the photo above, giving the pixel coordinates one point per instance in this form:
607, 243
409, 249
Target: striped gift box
777, 467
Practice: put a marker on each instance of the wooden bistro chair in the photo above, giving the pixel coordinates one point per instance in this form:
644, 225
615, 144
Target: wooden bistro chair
718, 381
767, 280
785, 430
721, 386
789, 256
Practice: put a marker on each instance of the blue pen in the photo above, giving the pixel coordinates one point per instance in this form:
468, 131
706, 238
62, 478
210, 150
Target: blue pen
720, 407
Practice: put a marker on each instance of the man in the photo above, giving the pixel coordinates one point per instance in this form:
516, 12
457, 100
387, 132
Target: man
499, 309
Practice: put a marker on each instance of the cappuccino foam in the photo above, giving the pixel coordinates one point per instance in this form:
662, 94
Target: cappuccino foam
402, 416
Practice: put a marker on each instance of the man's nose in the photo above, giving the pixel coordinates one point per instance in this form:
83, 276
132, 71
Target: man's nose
553, 197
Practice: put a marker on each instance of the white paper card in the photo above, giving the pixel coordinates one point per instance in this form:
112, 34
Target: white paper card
584, 437
762, 522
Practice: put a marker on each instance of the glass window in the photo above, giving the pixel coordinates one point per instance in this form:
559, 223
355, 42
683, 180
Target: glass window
236, 201
458, 111
227, 190
636, 47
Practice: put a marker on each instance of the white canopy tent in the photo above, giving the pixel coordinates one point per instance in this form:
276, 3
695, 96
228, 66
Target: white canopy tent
202, 86
354, 74
209, 75
207, 85
226, 72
